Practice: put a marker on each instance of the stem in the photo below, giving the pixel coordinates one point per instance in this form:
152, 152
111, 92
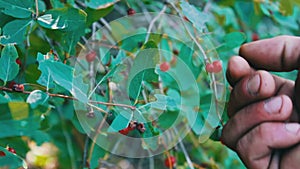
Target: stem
187, 157
153, 21
36, 8
73, 98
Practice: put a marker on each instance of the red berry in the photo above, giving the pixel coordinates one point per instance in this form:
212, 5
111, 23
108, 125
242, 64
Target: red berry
91, 56
11, 84
255, 37
165, 66
130, 12
141, 127
2, 154
217, 66
124, 131
11, 150
170, 162
186, 19
18, 61
209, 68
175, 52
18, 87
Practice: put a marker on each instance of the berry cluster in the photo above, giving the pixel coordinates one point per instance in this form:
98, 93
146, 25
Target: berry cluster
132, 126
214, 67
18, 87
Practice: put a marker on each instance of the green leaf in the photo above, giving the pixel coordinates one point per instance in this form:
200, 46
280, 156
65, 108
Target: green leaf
142, 70
233, 40
96, 4
94, 15
286, 7
62, 75
8, 66
68, 19
197, 17
14, 31
17, 8
120, 122
11, 160
98, 153
36, 98
3, 99
18, 110
163, 102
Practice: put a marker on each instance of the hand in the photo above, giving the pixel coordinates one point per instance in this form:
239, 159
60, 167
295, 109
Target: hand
263, 109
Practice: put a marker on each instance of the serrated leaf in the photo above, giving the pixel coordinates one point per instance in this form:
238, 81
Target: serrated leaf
96, 4
17, 8
14, 32
8, 66
68, 19
37, 97
197, 17
120, 122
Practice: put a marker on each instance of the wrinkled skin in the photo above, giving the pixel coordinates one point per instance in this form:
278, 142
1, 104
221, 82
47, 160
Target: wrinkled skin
263, 108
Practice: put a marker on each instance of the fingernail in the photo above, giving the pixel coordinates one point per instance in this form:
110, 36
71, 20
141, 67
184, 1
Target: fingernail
273, 105
253, 84
292, 127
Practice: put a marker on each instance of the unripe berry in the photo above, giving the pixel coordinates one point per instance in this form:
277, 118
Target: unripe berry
170, 162
165, 66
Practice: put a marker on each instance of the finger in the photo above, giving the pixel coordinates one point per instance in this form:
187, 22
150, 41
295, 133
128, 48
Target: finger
237, 68
256, 147
281, 53
290, 158
250, 89
275, 109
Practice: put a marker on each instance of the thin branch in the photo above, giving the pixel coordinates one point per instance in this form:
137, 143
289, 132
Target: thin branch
36, 8
153, 21
73, 98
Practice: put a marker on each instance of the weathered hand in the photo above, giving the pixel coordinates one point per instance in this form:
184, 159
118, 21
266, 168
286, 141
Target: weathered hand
263, 108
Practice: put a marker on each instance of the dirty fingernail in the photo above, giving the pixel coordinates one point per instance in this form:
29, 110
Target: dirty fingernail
273, 105
292, 127
253, 84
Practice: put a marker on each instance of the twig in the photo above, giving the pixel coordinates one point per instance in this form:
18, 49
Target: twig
153, 21
187, 157
36, 8
72, 98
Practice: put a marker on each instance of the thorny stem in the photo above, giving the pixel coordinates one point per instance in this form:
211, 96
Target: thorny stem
73, 98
